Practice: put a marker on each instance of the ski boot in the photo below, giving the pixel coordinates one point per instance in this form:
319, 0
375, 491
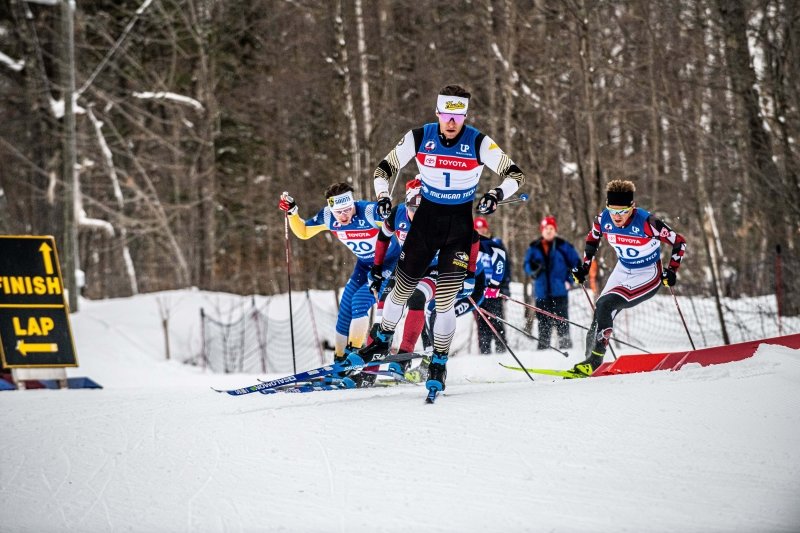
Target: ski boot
357, 378
586, 368
399, 367
376, 350
437, 372
349, 358
419, 373
380, 345
340, 360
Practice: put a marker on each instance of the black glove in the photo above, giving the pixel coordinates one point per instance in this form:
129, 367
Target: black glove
580, 272
669, 277
536, 269
376, 277
384, 207
488, 203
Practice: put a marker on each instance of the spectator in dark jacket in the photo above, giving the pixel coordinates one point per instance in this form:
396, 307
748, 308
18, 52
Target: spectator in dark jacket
548, 262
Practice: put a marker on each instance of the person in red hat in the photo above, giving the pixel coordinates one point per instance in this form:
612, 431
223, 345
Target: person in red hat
492, 247
482, 225
549, 262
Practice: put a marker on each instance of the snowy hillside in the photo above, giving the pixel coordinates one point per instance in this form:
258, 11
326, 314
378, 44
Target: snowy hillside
703, 449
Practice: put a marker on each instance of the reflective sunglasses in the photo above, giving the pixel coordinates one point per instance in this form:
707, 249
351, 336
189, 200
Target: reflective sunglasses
623, 211
342, 211
447, 117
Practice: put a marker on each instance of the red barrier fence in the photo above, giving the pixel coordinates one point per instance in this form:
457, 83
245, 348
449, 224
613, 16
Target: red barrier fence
629, 364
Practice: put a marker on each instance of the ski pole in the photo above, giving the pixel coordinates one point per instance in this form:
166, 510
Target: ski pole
542, 311
289, 276
396, 177
499, 338
594, 311
546, 313
681, 315
521, 198
529, 335
778, 287
588, 298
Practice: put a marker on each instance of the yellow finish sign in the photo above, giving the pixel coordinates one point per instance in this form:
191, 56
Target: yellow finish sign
34, 316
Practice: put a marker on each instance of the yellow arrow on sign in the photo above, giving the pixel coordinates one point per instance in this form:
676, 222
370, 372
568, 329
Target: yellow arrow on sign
27, 347
48, 262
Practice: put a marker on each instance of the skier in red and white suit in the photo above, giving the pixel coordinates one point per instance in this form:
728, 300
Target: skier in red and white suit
636, 236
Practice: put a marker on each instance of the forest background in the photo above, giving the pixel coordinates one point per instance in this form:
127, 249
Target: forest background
192, 116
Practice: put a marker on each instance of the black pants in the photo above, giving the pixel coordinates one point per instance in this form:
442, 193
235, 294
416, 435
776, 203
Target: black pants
606, 308
442, 228
559, 306
446, 229
485, 335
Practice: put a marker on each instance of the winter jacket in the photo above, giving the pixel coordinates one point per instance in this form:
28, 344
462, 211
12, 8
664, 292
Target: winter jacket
551, 270
502, 270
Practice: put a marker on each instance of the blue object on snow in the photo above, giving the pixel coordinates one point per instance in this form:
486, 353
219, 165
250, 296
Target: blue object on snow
72, 383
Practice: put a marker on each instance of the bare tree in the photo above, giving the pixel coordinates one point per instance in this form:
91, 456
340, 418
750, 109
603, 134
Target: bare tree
200, 113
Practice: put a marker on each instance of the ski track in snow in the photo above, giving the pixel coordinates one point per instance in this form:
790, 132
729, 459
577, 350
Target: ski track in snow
707, 449
510, 456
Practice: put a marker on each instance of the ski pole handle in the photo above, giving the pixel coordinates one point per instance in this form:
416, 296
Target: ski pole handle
521, 198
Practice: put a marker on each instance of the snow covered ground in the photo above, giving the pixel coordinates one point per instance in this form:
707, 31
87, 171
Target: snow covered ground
703, 449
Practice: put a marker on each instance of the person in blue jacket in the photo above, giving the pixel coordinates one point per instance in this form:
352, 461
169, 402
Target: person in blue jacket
548, 262
495, 258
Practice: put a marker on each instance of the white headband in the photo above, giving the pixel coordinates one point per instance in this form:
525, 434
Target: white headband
456, 105
341, 201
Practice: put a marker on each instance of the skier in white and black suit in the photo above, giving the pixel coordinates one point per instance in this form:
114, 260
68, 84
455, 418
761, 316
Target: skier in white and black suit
450, 157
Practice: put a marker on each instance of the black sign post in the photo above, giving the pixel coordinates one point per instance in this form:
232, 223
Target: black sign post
34, 316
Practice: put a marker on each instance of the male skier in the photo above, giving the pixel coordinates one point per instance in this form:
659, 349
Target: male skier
450, 157
636, 236
356, 225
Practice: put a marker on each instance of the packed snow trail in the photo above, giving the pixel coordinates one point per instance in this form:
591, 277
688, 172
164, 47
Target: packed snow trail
704, 449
